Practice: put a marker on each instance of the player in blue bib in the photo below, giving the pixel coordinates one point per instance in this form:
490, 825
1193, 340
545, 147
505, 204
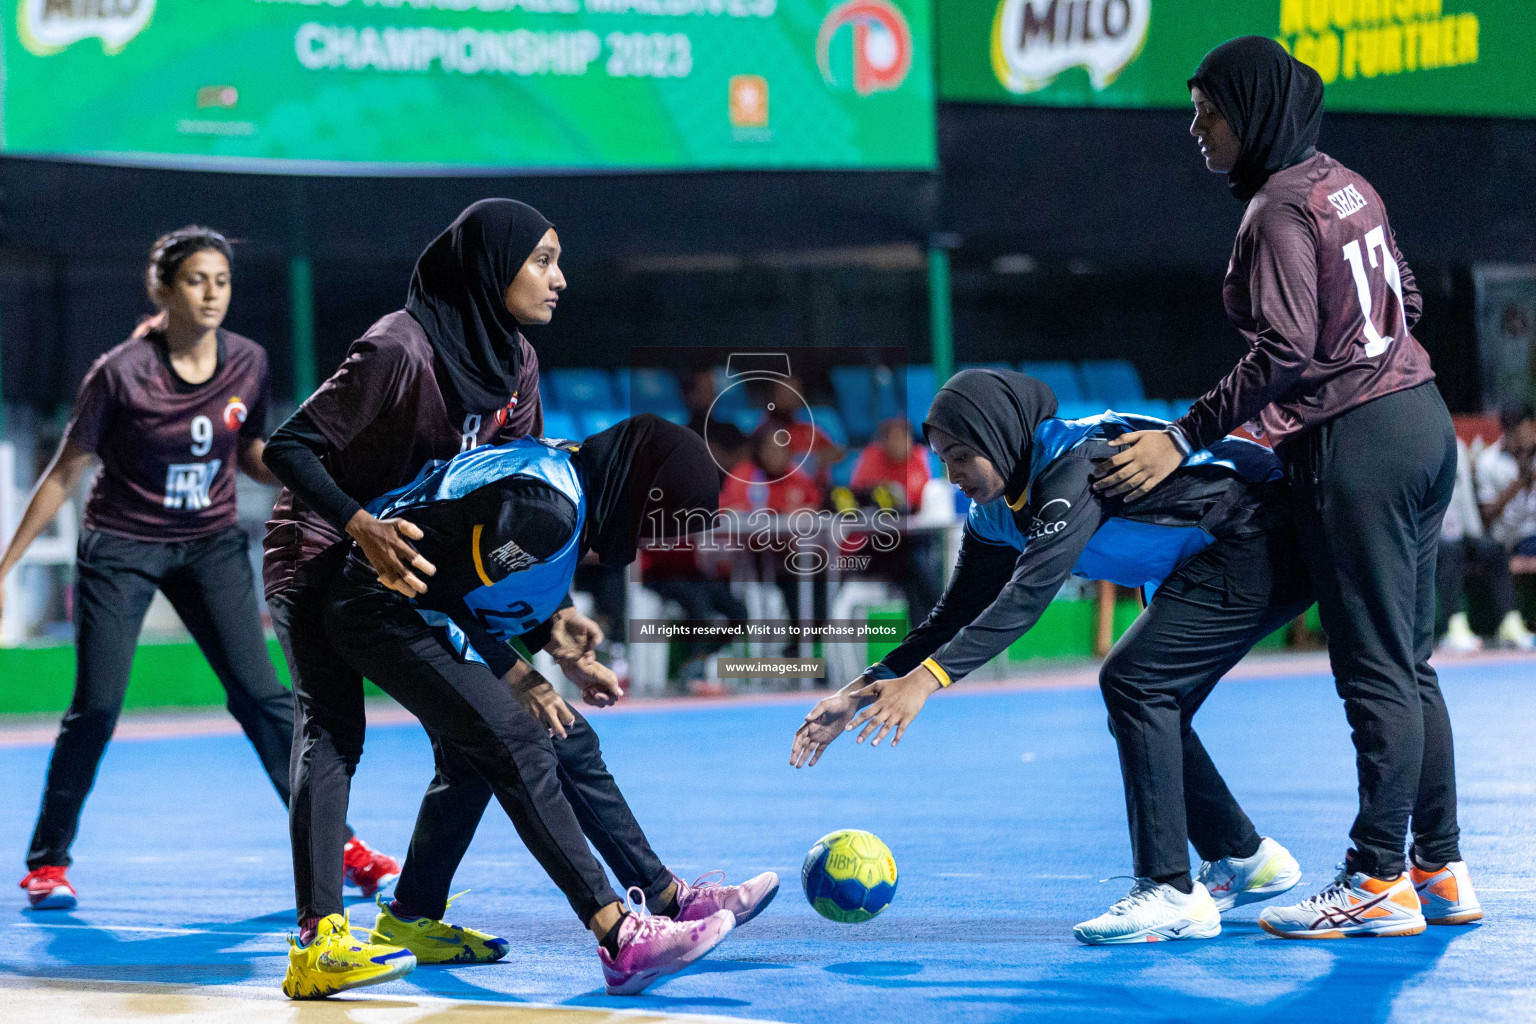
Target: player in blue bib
503, 529
1211, 546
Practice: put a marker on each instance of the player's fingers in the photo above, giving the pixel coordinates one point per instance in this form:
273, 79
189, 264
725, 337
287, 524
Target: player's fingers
870, 689
415, 585
552, 719
874, 723
816, 752
901, 730
1111, 464
885, 727
862, 717
406, 528
422, 565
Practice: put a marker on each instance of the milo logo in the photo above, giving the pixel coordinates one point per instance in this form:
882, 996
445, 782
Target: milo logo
1033, 41
47, 26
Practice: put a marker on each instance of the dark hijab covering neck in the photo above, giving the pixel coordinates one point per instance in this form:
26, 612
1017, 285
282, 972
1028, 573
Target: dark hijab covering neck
994, 413
458, 295
644, 472
1273, 102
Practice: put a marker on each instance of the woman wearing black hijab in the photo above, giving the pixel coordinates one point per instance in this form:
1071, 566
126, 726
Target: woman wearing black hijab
449, 372
505, 527
1212, 544
1338, 384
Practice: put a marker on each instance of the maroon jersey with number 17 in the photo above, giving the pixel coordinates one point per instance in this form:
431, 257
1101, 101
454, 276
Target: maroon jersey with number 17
1327, 302
168, 448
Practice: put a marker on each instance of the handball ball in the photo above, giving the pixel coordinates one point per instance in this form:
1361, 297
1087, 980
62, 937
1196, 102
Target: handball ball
849, 876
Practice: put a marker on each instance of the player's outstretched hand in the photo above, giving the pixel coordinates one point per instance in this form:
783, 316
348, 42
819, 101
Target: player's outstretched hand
1146, 459
896, 704
386, 544
825, 723
598, 684
572, 635
538, 697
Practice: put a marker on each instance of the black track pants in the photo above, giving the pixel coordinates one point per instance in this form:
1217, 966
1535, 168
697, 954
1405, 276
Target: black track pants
1201, 622
558, 793
1372, 488
209, 583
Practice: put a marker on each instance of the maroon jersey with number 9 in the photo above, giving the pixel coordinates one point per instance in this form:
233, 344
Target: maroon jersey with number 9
168, 448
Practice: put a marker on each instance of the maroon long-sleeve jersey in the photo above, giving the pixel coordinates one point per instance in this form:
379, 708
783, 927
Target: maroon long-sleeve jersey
1320, 290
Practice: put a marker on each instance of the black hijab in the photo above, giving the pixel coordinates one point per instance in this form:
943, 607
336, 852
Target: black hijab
994, 413
458, 295
637, 467
1273, 102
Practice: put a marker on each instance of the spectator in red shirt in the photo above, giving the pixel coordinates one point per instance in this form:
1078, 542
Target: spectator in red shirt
772, 477
892, 464
891, 460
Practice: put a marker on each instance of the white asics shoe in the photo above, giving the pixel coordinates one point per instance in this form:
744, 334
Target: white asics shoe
1354, 905
1446, 896
1153, 912
1234, 881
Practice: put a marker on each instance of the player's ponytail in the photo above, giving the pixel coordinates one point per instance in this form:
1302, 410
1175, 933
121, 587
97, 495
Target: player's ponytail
172, 249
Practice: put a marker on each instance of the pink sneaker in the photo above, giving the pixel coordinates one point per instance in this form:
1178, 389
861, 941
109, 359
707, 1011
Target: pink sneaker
652, 947
700, 899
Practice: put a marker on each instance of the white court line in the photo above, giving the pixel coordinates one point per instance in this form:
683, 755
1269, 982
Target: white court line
142, 928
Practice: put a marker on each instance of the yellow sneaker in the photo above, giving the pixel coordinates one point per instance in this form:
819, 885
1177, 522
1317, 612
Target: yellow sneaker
436, 942
336, 961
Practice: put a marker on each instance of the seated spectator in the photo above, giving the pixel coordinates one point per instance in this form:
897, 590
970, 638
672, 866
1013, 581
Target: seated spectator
1506, 472
726, 441
892, 462
768, 478
892, 472
1466, 550
786, 401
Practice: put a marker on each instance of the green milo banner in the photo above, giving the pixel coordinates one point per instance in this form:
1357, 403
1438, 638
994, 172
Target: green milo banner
1399, 56
548, 84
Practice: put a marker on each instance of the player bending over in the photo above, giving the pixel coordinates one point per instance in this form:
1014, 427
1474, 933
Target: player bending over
1213, 544
502, 530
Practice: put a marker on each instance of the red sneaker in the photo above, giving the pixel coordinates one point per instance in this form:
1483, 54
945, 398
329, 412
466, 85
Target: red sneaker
367, 868
48, 889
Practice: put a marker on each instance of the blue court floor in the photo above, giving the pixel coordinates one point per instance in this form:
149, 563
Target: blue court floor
1003, 808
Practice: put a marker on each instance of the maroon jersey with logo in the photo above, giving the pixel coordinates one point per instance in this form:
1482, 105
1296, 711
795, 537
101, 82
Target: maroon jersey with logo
1327, 302
168, 448
384, 414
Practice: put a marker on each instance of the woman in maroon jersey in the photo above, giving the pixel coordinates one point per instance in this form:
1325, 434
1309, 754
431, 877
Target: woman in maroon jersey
449, 372
1336, 381
170, 413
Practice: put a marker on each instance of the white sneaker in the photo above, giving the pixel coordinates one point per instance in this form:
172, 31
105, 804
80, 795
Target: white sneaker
1446, 896
1354, 905
1153, 912
1234, 881
1513, 635
1459, 638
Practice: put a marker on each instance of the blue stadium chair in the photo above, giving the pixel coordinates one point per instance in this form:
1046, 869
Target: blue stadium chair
619, 379
1110, 380
827, 421
842, 473
578, 390
854, 389
920, 391
598, 420
1079, 409
935, 464
746, 420
655, 389
1058, 375
1144, 407
561, 424
1179, 406
730, 400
